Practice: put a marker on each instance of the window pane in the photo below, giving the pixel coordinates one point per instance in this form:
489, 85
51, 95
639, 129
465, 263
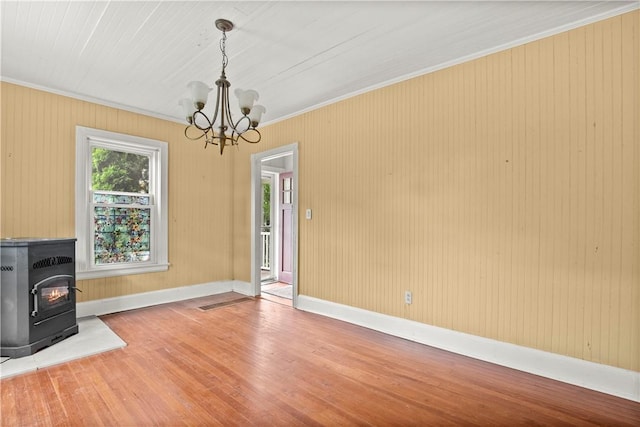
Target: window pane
119, 171
121, 234
266, 204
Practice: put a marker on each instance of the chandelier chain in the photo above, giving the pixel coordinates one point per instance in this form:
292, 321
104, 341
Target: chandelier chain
223, 49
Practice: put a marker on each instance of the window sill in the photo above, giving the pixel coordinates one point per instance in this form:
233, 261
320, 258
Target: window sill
120, 271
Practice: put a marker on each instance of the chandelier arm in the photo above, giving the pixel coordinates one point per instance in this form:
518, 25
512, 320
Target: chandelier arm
226, 112
236, 126
224, 90
211, 140
215, 113
186, 130
225, 118
195, 122
251, 131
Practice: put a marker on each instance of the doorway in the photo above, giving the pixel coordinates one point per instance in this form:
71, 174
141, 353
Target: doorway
267, 227
274, 222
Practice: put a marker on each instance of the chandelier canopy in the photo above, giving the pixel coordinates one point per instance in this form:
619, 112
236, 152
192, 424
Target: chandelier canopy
221, 129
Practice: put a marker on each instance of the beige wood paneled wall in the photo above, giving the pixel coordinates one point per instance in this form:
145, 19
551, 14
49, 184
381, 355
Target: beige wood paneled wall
503, 192
38, 186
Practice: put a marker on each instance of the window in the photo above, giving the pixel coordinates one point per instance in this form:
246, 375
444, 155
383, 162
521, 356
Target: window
121, 204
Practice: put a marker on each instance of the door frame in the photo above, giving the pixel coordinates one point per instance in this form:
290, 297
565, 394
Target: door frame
256, 214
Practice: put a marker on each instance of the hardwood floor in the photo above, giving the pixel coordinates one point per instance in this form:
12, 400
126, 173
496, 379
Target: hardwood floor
256, 362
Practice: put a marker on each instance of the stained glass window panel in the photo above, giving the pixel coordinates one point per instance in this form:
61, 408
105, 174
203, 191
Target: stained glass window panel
121, 234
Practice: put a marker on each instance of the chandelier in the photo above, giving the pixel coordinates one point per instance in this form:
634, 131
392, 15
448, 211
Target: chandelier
221, 130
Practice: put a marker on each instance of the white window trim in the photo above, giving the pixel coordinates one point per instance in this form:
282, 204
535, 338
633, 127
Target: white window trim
160, 149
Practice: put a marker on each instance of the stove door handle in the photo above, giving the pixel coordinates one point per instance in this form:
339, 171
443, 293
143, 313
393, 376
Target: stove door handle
34, 313
77, 289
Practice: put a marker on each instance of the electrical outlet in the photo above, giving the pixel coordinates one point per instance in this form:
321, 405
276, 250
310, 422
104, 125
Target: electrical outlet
407, 297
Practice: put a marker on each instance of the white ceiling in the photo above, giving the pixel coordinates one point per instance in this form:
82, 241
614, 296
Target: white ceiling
297, 54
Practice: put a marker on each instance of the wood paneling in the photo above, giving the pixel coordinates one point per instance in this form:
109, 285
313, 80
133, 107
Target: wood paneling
266, 364
38, 186
503, 192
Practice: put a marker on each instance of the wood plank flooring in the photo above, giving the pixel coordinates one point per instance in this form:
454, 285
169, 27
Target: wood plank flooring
261, 363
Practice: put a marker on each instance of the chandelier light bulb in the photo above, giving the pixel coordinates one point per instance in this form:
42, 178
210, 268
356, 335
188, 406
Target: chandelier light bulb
246, 98
187, 109
256, 114
199, 94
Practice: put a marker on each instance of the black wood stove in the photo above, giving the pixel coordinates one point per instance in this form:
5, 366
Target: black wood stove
38, 294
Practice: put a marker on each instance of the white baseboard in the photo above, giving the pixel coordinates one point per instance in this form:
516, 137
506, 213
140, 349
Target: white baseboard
603, 378
147, 299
